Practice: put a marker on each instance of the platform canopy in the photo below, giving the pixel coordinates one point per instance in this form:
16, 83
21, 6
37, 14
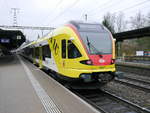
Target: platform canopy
11, 39
137, 33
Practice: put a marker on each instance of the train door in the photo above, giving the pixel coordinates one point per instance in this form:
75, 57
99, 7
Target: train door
36, 55
63, 52
33, 56
70, 54
47, 59
40, 57
73, 55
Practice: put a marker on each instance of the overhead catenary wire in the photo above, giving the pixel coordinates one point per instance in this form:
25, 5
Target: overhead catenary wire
138, 4
67, 9
104, 7
110, 4
51, 12
130, 7
99, 5
85, 13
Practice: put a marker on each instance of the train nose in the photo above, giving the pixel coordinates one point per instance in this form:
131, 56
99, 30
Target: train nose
103, 60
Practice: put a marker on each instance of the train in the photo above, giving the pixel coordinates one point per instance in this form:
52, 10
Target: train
77, 51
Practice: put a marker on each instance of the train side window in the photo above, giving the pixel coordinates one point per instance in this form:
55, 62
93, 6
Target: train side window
63, 46
73, 51
46, 51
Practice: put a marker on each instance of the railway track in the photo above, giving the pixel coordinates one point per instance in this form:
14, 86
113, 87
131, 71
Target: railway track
109, 103
139, 69
138, 80
136, 83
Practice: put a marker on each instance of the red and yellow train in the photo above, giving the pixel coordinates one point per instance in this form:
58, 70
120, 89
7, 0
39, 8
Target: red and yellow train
77, 51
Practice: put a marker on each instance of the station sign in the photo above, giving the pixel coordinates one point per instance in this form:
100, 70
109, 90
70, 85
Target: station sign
4, 40
139, 53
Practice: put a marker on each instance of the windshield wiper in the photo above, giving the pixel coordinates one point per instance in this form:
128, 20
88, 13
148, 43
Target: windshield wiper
92, 47
88, 43
99, 53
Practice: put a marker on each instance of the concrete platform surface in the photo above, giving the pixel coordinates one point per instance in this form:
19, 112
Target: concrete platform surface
24, 88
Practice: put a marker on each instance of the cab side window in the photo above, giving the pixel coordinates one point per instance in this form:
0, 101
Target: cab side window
73, 51
63, 46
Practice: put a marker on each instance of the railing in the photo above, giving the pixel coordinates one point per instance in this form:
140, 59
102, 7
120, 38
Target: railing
136, 58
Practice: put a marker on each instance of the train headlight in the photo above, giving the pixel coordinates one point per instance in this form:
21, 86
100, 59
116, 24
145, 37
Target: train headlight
112, 61
87, 62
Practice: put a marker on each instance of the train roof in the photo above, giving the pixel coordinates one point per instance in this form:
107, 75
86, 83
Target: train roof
88, 26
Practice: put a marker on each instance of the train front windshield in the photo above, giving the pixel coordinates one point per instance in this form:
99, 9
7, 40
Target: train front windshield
97, 41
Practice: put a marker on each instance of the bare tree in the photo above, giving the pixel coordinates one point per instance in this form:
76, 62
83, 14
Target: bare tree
120, 22
109, 22
148, 19
138, 21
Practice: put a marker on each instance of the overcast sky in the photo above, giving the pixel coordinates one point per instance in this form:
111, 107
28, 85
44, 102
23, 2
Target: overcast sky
54, 13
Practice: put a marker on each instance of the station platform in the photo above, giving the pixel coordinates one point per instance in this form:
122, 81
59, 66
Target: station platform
24, 88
